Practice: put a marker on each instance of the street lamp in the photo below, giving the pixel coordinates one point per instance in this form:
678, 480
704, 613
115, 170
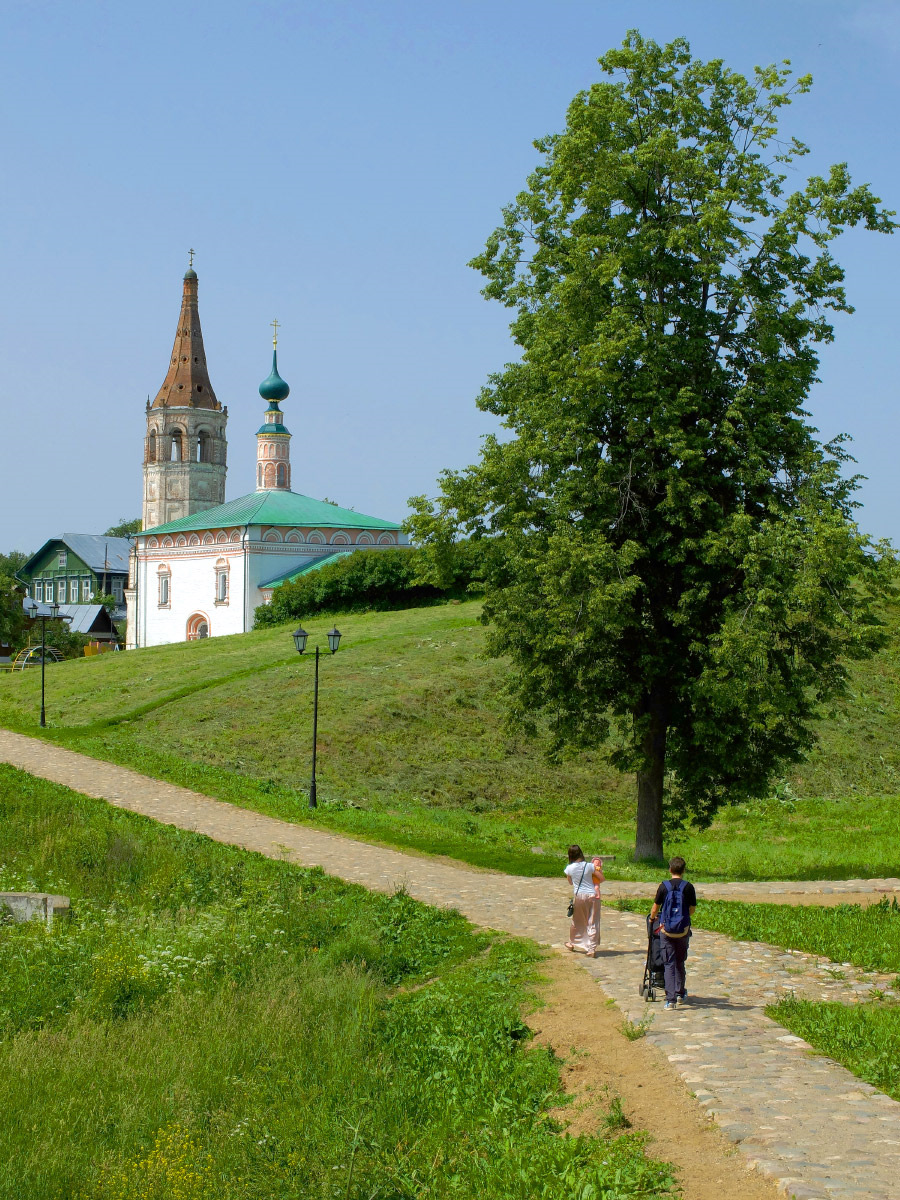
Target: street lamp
301, 637
54, 615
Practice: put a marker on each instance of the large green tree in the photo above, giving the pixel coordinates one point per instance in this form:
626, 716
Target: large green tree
674, 568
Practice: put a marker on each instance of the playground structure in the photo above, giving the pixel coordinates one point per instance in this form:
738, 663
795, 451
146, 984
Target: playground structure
31, 657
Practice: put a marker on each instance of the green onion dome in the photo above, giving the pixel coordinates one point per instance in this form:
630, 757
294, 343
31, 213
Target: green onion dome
273, 387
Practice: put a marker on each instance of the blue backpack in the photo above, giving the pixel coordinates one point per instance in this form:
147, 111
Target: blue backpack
674, 917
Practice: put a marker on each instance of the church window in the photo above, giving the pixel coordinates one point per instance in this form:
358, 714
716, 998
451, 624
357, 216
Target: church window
197, 627
259, 475
151, 446
222, 572
39, 591
176, 446
164, 589
203, 445
279, 475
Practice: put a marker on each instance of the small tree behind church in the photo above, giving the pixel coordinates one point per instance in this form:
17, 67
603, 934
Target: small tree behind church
674, 569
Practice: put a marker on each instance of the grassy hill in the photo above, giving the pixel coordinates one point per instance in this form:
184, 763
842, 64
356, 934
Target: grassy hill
413, 750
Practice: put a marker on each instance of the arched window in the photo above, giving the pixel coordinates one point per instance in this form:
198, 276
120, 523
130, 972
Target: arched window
151, 446
270, 475
222, 573
204, 446
164, 582
259, 474
279, 475
177, 446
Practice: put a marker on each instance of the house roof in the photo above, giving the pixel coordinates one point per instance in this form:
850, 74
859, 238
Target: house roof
303, 566
84, 618
274, 508
96, 551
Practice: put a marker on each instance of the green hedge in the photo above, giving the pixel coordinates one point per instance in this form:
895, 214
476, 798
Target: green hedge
373, 579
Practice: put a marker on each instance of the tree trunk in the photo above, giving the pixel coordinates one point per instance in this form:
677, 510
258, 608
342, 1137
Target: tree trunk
649, 839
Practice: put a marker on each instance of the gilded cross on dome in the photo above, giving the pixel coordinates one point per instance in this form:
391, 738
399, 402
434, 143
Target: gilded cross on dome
274, 325
192, 253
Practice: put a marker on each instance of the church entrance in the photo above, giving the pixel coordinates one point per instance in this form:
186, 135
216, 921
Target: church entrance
197, 627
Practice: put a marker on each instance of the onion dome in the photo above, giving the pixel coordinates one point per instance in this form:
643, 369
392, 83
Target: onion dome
190, 273
273, 387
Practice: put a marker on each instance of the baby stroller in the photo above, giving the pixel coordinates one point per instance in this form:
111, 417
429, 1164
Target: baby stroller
653, 969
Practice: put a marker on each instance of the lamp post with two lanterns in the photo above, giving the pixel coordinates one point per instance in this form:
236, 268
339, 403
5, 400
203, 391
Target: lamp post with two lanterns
54, 615
300, 637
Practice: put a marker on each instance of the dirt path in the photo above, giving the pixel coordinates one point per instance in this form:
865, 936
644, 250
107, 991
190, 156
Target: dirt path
804, 1122
600, 1064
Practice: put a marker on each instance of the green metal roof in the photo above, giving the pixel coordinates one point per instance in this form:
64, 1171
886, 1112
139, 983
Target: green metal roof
274, 508
307, 568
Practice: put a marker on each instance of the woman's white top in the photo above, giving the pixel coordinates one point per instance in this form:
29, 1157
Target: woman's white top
585, 886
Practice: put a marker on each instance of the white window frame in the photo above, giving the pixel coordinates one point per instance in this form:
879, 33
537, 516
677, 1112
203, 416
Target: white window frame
48, 591
223, 584
85, 591
73, 591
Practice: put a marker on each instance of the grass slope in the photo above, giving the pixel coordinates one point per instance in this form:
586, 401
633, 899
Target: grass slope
413, 751
213, 1025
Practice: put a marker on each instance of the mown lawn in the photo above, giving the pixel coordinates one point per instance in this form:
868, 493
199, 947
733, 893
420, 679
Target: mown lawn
212, 1025
413, 751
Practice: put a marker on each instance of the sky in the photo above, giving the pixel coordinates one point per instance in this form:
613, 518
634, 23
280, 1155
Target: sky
335, 165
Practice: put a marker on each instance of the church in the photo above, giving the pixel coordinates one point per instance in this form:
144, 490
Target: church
200, 566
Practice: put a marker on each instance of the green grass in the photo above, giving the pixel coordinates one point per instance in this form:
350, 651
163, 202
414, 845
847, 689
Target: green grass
868, 937
213, 1025
414, 753
865, 1038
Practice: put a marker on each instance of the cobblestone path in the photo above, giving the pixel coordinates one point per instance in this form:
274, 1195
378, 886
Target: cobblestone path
801, 1119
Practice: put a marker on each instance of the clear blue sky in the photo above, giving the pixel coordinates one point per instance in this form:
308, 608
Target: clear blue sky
336, 164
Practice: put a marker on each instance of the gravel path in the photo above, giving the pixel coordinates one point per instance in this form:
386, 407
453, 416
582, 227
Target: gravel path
801, 1119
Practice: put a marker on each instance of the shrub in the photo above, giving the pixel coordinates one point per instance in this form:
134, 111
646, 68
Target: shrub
373, 579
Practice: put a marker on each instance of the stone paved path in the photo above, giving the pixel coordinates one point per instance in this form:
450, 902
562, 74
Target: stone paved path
801, 1119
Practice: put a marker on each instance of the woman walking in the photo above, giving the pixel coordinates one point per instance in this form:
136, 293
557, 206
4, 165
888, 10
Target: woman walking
586, 877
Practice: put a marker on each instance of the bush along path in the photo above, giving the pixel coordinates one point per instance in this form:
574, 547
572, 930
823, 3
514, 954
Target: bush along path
800, 1119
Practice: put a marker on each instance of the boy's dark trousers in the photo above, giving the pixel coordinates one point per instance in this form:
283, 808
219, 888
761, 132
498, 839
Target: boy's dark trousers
674, 951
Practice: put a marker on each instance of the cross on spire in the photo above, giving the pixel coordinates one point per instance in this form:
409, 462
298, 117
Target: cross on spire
274, 325
192, 253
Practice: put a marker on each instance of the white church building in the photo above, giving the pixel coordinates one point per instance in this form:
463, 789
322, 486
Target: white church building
200, 567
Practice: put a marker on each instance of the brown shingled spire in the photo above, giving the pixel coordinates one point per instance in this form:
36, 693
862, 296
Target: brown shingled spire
187, 382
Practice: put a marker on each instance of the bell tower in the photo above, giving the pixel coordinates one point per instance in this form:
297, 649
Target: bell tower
185, 447
273, 440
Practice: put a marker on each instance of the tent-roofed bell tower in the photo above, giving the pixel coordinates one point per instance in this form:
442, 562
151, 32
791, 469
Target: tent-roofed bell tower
185, 448
273, 441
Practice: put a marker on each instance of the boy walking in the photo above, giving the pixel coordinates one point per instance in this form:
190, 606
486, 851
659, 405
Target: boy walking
675, 902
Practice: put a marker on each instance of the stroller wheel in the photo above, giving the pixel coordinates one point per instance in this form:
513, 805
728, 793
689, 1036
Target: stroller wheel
642, 991
651, 995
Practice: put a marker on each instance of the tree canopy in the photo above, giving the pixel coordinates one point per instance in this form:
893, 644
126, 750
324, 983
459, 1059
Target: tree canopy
124, 528
674, 570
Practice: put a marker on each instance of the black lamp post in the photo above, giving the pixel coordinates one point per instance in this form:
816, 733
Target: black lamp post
54, 614
300, 637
